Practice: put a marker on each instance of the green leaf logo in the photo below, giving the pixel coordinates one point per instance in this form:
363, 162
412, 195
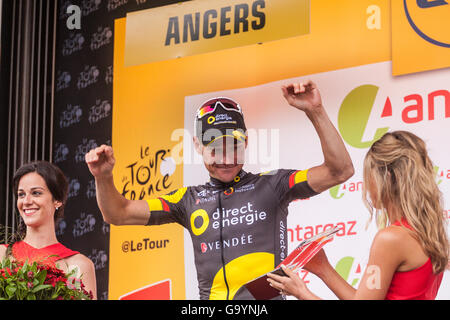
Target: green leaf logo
344, 266
354, 115
334, 192
436, 171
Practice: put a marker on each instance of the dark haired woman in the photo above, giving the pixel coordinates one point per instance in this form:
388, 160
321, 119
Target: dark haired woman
41, 193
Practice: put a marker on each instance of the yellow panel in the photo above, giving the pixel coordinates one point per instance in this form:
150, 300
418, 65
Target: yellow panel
239, 272
200, 26
149, 106
420, 36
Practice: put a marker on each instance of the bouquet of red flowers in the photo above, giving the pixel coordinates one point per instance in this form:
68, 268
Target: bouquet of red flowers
23, 281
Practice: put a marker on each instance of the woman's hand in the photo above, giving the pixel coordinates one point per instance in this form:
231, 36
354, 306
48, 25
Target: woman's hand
319, 264
291, 285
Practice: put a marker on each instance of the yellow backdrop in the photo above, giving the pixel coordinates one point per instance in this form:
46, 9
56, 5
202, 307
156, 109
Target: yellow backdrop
149, 105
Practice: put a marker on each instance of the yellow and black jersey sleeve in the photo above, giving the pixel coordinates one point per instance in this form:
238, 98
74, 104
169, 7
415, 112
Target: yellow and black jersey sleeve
290, 185
167, 208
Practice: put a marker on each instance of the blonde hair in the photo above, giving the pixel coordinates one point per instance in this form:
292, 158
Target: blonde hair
398, 173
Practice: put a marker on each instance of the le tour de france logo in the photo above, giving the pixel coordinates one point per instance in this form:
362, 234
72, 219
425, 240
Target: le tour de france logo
422, 16
149, 174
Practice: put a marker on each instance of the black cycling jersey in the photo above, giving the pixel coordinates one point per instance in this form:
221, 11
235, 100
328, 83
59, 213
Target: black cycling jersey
238, 230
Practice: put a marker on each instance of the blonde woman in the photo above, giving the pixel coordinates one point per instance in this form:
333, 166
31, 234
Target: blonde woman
409, 255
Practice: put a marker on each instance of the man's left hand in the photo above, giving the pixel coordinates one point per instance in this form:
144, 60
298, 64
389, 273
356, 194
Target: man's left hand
303, 96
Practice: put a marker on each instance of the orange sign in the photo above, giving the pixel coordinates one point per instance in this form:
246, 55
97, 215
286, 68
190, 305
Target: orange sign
149, 102
202, 26
420, 35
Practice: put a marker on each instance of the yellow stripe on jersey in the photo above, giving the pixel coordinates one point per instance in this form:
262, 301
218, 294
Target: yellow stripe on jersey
155, 205
176, 197
297, 177
255, 264
300, 176
268, 172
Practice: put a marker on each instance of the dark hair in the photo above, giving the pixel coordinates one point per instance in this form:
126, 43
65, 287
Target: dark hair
57, 185
54, 178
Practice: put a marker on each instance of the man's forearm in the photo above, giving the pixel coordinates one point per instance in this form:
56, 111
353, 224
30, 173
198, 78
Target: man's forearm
110, 201
336, 157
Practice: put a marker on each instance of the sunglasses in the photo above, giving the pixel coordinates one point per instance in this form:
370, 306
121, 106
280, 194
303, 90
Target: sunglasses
211, 105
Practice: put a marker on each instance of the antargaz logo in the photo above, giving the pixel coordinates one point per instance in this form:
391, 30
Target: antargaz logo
354, 115
441, 174
339, 190
357, 106
344, 268
429, 19
335, 192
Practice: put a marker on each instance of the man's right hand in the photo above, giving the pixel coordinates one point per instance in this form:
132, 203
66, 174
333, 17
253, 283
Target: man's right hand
100, 161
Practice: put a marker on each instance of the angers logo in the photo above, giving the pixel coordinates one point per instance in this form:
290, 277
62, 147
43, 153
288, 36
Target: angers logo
195, 27
216, 22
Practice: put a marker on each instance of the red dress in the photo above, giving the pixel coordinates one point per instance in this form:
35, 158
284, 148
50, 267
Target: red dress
417, 284
48, 255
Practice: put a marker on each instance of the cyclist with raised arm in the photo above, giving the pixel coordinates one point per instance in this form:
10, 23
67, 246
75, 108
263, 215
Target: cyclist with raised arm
237, 220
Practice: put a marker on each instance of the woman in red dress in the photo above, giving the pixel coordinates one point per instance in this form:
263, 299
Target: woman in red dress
410, 253
41, 192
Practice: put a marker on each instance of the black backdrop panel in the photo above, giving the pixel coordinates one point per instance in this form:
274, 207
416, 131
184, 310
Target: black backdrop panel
83, 118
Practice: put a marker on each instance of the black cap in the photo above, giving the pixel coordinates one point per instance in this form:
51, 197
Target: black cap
223, 118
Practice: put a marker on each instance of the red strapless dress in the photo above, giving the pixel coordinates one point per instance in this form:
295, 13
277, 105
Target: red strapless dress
417, 284
22, 251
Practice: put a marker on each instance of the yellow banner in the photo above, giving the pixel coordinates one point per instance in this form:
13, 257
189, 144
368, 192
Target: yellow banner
149, 106
201, 26
420, 35
146, 171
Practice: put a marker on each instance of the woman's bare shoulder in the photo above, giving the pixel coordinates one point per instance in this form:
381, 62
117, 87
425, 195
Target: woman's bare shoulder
2, 251
80, 260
